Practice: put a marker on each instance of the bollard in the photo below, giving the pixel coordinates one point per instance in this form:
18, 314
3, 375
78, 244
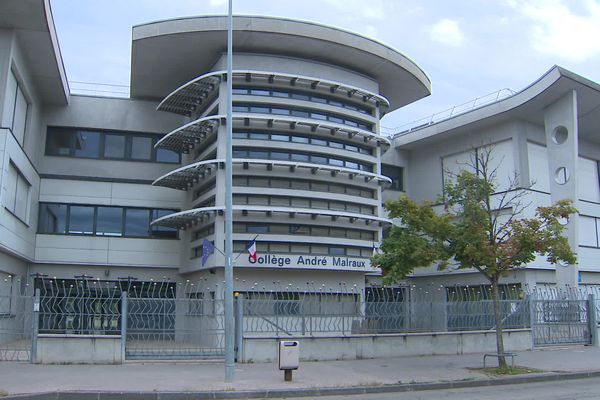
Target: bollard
289, 357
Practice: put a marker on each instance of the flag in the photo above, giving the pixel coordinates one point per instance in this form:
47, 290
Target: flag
252, 250
207, 249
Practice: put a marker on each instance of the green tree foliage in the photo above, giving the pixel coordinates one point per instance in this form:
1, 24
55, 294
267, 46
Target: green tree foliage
474, 227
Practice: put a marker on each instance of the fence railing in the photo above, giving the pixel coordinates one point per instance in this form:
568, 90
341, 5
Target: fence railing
185, 319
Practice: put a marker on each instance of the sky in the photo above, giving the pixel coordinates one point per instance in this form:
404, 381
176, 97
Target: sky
468, 48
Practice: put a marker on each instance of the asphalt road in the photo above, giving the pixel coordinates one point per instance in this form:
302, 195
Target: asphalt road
582, 389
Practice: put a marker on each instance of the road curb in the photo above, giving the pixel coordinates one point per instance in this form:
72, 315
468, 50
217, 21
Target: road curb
304, 392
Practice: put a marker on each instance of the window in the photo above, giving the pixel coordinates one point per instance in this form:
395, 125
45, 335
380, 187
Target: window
15, 108
114, 146
337, 251
75, 219
589, 181
141, 148
81, 220
162, 231
53, 218
298, 95
500, 162
302, 113
538, 167
589, 231
166, 156
17, 193
137, 222
89, 143
395, 174
110, 221
257, 228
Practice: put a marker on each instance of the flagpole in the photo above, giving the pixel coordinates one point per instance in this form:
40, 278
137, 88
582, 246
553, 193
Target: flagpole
229, 321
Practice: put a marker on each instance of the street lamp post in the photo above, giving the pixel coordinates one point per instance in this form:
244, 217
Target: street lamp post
229, 321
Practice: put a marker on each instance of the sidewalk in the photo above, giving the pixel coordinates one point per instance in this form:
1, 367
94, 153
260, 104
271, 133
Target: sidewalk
205, 380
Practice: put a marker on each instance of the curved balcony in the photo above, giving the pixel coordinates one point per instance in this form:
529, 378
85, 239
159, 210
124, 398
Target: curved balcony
186, 137
188, 218
190, 96
332, 128
185, 177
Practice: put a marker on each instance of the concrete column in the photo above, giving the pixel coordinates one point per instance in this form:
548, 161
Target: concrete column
560, 124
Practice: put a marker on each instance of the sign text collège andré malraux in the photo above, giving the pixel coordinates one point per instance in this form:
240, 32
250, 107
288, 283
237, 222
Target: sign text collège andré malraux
312, 262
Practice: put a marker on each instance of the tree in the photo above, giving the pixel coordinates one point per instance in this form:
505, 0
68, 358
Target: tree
473, 226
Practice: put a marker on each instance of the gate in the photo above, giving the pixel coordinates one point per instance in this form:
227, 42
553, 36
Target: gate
560, 322
170, 322
16, 310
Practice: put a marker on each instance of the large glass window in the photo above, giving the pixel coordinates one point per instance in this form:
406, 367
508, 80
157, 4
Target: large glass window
53, 218
298, 95
589, 181
114, 146
137, 222
16, 198
15, 108
74, 142
81, 220
141, 148
162, 231
166, 156
302, 113
59, 142
112, 221
396, 174
87, 144
588, 231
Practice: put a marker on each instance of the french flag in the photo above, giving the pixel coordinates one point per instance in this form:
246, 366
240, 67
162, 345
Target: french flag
252, 250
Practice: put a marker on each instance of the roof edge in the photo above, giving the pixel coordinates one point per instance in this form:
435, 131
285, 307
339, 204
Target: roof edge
66, 92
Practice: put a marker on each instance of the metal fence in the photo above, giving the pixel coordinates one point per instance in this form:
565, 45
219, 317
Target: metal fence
169, 320
377, 311
16, 310
173, 321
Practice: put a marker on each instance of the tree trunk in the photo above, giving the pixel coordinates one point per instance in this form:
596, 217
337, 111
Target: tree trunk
498, 319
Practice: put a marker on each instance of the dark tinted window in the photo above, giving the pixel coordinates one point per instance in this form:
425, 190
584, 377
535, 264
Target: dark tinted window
141, 148
162, 231
168, 156
59, 142
114, 146
137, 222
53, 218
396, 174
81, 220
74, 142
87, 144
109, 221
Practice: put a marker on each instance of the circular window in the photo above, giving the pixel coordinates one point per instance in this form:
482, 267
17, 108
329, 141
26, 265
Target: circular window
560, 135
561, 175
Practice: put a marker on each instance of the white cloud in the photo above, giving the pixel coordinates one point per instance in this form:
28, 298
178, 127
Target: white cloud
560, 30
447, 31
372, 9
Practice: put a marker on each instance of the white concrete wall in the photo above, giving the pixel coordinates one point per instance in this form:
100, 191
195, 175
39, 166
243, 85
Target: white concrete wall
290, 65
393, 345
17, 235
78, 349
424, 170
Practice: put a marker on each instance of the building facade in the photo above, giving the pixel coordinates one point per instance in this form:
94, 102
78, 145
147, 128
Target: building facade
544, 141
132, 189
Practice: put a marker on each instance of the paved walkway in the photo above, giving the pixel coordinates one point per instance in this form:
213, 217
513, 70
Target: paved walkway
254, 380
